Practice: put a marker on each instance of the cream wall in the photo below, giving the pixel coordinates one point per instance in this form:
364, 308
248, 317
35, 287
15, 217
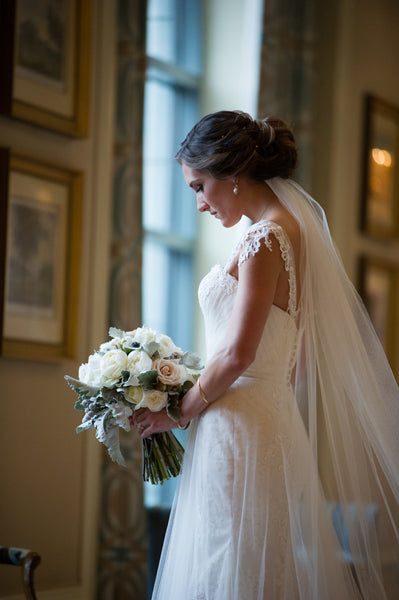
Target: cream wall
358, 52
48, 474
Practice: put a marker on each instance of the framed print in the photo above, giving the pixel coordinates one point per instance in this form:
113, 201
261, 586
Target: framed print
42, 260
46, 63
380, 189
379, 287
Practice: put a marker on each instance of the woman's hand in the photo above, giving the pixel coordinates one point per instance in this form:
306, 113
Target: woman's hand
147, 423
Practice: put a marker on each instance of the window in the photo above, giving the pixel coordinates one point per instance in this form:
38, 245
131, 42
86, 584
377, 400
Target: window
171, 107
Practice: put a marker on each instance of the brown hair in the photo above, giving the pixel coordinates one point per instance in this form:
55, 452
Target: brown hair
229, 143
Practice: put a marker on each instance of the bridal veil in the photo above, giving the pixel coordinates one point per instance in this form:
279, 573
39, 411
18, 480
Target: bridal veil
349, 401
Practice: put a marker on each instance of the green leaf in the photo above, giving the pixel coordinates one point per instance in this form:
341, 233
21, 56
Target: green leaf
148, 379
126, 349
151, 348
111, 395
114, 332
81, 388
125, 376
187, 385
192, 361
173, 407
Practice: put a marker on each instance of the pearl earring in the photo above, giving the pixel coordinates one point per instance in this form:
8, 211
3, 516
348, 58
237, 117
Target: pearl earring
236, 189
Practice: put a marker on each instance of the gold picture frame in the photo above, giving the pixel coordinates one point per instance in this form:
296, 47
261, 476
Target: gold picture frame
380, 188
41, 260
45, 63
379, 288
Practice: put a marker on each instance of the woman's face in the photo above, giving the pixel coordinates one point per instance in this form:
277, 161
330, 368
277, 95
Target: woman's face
214, 195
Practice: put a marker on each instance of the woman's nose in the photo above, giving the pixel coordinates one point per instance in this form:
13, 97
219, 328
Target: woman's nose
202, 206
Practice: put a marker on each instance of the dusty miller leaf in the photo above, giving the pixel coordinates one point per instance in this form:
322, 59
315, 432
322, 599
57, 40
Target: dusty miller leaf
151, 348
114, 332
148, 379
80, 387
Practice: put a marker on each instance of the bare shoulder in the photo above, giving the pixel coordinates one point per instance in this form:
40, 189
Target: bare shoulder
289, 224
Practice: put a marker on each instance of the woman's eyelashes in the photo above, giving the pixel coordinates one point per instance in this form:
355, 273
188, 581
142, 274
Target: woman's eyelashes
199, 188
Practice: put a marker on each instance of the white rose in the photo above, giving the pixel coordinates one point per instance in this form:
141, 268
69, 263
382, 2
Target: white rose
169, 371
133, 394
112, 365
167, 346
153, 400
138, 362
90, 372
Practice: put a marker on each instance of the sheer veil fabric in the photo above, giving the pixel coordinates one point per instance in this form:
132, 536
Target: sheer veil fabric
344, 386
290, 485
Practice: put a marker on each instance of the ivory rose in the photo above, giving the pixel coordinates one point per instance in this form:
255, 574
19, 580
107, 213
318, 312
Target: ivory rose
133, 394
169, 371
154, 400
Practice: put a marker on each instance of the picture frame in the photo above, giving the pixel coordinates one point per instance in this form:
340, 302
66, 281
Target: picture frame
40, 259
45, 63
379, 216
379, 289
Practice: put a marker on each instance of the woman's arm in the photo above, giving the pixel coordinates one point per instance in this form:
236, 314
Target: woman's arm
257, 283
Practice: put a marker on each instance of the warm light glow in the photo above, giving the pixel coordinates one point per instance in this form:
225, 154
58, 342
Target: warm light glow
381, 157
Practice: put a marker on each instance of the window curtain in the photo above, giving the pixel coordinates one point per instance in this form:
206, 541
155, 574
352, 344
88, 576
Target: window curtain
287, 71
122, 520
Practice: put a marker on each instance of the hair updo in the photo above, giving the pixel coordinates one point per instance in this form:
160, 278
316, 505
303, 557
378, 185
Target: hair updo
230, 143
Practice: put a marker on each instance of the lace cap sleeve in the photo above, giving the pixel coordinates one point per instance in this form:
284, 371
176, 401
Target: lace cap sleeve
260, 233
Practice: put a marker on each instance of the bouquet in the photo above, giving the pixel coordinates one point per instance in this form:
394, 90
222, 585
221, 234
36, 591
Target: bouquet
136, 369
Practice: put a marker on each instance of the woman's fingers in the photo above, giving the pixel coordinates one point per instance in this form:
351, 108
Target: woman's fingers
147, 423
139, 412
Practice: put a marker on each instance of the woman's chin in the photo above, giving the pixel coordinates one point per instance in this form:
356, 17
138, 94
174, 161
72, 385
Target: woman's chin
227, 223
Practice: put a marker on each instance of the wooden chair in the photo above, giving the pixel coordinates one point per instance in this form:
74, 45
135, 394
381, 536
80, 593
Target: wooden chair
28, 561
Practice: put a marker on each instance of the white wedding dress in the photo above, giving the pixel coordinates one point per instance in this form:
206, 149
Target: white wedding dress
239, 527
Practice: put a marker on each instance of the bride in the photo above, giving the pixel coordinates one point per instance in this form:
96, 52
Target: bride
290, 482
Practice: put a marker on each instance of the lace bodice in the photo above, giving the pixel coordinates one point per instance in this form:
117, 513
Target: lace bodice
217, 291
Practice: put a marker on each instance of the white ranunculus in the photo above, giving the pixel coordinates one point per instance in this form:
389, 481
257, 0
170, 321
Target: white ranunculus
90, 372
138, 362
143, 335
112, 365
167, 346
133, 394
154, 400
169, 371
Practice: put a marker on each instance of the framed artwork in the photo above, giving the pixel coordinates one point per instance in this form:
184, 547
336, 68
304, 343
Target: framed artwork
41, 260
379, 288
45, 63
380, 189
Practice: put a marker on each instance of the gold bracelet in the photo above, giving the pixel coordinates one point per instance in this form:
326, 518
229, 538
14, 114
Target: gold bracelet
201, 391
183, 428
